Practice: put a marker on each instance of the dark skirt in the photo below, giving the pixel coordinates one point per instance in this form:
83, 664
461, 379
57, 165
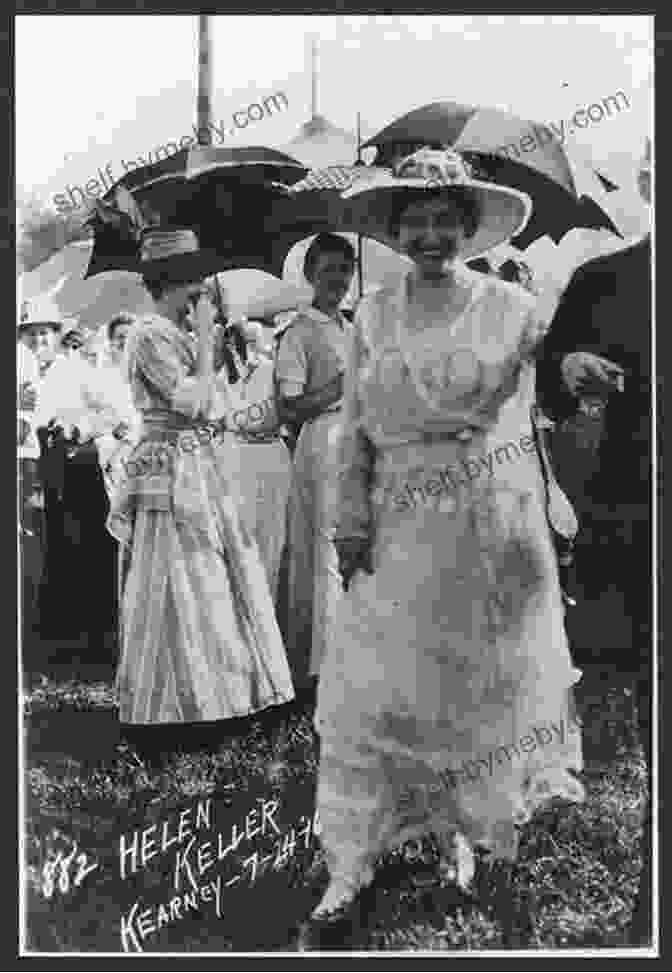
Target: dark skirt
78, 596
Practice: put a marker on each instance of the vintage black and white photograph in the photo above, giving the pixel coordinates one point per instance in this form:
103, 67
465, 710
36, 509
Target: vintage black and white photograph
336, 464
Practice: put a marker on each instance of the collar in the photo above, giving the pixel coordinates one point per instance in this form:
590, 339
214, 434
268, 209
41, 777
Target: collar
463, 274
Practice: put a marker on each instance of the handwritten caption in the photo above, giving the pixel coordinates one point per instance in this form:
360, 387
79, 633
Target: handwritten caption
250, 846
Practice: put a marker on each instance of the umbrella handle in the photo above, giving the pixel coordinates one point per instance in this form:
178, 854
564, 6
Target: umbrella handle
360, 266
205, 367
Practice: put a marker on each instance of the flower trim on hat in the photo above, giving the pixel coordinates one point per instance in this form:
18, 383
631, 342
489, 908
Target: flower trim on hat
439, 167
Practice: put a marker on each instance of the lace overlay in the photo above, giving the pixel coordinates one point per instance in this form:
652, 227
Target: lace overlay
453, 654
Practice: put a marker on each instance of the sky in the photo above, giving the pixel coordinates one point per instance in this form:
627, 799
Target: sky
92, 90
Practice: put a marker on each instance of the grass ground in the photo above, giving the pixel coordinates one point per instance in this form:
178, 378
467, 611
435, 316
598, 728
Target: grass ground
86, 787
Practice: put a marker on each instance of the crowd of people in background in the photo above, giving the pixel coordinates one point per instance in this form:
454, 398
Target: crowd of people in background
78, 425
247, 568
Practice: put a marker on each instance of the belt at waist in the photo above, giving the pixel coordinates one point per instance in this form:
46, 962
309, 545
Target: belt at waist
173, 428
462, 434
167, 419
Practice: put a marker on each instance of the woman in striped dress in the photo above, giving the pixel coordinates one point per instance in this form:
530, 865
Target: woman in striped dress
199, 637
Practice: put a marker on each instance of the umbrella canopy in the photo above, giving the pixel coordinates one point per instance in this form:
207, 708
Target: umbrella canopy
472, 128
511, 151
224, 194
259, 295
157, 186
91, 302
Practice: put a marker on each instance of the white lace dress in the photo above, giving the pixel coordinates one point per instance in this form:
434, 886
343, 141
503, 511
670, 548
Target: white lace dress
445, 696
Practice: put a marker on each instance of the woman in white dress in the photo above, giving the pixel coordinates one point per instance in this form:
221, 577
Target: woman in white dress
309, 369
115, 423
444, 703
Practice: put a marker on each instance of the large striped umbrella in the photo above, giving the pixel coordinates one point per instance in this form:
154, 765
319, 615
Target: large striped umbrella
508, 150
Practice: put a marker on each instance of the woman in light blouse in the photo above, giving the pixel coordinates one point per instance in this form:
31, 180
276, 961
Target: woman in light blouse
309, 378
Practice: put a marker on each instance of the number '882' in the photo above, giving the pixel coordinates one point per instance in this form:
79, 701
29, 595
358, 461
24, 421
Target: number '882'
56, 872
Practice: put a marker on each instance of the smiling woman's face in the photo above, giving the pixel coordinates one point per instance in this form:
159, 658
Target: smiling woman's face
432, 234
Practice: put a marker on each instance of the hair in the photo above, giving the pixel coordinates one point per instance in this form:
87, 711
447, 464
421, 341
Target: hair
465, 198
326, 243
118, 321
161, 281
510, 271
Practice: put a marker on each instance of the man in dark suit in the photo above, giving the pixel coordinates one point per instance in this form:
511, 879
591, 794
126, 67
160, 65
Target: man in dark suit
598, 351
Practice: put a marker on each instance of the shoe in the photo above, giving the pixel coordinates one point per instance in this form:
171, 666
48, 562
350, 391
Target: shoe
343, 928
331, 931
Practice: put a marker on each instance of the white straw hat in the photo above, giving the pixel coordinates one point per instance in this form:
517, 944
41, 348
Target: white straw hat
42, 310
504, 212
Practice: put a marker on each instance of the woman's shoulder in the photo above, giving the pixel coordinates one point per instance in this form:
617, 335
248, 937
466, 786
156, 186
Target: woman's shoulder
507, 295
376, 311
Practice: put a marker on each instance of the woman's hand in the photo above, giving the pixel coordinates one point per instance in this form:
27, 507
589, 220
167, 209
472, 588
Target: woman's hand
584, 372
204, 314
354, 554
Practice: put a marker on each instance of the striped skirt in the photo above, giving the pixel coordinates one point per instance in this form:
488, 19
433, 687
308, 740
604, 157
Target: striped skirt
200, 641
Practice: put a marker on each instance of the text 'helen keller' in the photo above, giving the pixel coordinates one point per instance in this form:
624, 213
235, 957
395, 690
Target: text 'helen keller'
197, 848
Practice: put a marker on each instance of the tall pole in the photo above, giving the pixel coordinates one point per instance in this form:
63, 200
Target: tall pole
204, 98
360, 263
204, 136
313, 77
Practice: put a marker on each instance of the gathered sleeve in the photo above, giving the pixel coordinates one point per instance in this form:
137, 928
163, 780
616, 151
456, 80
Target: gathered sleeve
291, 363
161, 369
534, 331
356, 452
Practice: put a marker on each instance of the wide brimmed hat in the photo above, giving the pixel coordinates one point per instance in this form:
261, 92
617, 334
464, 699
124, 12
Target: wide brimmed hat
175, 255
40, 312
504, 212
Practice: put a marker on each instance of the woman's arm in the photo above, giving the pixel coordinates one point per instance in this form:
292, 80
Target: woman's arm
356, 454
308, 405
155, 360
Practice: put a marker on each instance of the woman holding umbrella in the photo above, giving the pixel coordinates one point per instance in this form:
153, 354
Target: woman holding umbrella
448, 656
199, 638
